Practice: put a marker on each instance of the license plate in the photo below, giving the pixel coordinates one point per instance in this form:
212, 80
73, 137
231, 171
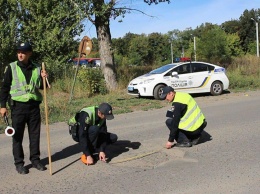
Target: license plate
130, 89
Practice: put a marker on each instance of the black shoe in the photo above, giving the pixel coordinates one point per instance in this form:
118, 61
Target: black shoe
39, 166
183, 144
195, 141
22, 170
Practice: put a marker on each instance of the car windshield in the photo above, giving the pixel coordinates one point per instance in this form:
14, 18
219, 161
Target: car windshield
162, 69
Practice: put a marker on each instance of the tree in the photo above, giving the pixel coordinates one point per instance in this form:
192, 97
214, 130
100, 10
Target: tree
99, 12
8, 33
234, 47
138, 51
149, 2
247, 27
42, 22
231, 27
212, 45
49, 25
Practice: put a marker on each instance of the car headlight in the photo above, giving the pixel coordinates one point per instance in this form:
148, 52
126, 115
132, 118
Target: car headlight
146, 81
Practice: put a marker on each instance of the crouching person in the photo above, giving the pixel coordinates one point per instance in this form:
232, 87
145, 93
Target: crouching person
90, 131
186, 121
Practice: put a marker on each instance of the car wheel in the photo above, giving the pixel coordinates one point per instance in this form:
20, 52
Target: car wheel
157, 93
216, 88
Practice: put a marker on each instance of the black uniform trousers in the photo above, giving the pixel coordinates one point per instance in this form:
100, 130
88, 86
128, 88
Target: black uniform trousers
185, 136
97, 139
93, 139
23, 114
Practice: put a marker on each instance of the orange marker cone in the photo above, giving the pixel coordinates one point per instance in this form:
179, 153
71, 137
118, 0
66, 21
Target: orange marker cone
84, 158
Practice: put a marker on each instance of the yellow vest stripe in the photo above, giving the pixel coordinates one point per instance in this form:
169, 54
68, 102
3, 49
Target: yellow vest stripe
193, 117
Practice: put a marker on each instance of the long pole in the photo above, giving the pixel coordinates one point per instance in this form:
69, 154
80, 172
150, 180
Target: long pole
195, 48
257, 41
46, 119
74, 80
83, 43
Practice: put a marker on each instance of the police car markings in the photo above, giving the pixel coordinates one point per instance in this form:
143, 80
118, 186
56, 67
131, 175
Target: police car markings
205, 81
179, 83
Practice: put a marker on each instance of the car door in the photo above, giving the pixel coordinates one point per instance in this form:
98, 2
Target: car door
200, 75
179, 77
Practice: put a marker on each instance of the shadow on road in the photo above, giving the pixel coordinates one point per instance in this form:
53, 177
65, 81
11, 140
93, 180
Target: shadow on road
120, 147
113, 150
66, 152
205, 136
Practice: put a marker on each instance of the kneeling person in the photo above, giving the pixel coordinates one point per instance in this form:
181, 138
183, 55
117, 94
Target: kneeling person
185, 119
92, 131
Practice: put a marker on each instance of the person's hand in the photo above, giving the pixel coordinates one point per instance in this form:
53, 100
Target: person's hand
3, 112
102, 156
90, 160
44, 74
169, 145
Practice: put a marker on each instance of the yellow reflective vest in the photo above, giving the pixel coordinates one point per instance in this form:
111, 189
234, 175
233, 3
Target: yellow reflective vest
92, 116
90, 120
193, 118
20, 90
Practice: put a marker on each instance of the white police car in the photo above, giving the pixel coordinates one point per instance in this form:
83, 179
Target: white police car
190, 77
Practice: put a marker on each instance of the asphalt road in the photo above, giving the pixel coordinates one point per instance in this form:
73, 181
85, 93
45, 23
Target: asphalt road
226, 161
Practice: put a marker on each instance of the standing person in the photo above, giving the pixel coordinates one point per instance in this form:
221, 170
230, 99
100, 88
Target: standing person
92, 131
20, 87
186, 121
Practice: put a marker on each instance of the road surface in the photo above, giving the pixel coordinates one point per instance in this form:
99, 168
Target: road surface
226, 161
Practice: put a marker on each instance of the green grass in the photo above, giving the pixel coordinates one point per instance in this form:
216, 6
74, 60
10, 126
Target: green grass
243, 73
60, 109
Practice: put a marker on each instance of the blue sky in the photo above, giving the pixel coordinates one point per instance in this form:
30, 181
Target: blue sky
179, 14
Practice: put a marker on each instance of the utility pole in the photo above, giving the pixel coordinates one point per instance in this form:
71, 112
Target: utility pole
170, 41
182, 51
257, 41
194, 48
171, 52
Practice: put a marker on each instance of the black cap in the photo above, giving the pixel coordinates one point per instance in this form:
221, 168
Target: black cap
106, 109
166, 90
25, 47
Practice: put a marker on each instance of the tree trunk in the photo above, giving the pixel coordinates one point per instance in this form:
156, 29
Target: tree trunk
106, 52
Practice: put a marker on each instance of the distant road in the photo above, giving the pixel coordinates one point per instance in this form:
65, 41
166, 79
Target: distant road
227, 161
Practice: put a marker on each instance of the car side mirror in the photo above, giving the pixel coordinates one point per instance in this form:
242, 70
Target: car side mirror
174, 73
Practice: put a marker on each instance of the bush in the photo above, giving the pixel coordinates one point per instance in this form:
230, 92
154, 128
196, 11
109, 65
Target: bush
92, 81
244, 72
126, 74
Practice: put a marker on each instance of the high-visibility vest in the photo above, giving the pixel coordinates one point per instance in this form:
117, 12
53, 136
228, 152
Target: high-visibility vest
193, 118
92, 115
90, 119
20, 90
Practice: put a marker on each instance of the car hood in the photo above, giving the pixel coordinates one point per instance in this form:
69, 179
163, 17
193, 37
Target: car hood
145, 76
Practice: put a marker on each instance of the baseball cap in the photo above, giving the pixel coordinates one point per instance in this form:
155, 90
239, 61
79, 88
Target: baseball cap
166, 90
24, 47
106, 109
